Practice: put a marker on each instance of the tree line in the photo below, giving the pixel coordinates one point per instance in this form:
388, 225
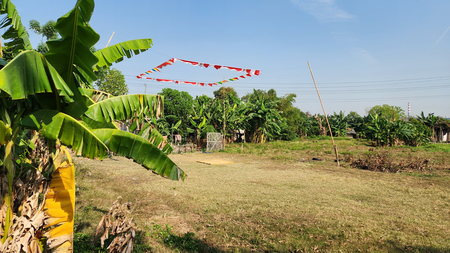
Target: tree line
266, 117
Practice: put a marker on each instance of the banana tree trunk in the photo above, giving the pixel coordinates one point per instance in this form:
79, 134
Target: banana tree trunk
31, 218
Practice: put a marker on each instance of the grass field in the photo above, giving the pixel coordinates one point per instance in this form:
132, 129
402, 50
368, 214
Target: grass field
275, 198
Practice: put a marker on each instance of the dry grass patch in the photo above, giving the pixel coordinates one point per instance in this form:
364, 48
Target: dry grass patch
261, 203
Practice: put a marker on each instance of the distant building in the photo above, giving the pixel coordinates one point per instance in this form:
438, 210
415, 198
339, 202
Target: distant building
352, 133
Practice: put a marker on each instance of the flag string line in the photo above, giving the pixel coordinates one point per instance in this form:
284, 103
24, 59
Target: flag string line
248, 72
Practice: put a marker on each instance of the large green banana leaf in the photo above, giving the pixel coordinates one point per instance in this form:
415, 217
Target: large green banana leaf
77, 37
56, 125
72, 51
140, 150
92, 124
125, 107
156, 138
115, 53
96, 95
29, 73
17, 32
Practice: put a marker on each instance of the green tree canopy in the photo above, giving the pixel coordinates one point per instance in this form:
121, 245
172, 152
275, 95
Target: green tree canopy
389, 112
46, 31
354, 121
225, 91
294, 116
111, 81
258, 94
179, 104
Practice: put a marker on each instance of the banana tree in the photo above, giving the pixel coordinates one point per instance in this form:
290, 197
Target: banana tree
377, 129
338, 124
175, 127
263, 120
45, 93
198, 129
420, 133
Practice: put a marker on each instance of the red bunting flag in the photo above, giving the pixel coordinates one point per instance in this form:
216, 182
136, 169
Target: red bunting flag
193, 63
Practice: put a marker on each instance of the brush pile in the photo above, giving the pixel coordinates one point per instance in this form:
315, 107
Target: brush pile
384, 162
118, 222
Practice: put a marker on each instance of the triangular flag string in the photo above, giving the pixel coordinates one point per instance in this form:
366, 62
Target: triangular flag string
249, 72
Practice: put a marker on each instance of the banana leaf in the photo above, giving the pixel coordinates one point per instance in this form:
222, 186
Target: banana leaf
125, 107
156, 138
77, 37
96, 95
16, 32
72, 51
115, 53
56, 125
83, 79
92, 124
3, 63
5, 133
29, 73
141, 151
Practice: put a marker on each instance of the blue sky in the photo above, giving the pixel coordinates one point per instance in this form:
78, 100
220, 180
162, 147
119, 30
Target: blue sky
362, 53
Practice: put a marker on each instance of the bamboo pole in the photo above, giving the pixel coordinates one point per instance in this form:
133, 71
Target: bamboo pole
110, 39
223, 99
326, 117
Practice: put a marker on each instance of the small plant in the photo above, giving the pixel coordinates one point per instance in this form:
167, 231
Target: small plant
187, 242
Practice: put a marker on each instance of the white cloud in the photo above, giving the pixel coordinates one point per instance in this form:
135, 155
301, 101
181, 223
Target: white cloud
364, 55
323, 10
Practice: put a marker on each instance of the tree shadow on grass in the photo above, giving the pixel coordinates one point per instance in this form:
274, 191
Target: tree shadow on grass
103, 211
79, 226
188, 243
396, 247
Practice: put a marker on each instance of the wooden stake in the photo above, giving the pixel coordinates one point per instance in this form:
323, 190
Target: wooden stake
110, 39
326, 117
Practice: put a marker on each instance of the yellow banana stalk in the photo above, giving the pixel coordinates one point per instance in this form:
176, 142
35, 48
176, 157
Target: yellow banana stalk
60, 203
9, 164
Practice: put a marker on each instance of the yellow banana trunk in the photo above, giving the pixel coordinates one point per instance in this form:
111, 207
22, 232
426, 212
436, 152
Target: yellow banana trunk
60, 204
9, 165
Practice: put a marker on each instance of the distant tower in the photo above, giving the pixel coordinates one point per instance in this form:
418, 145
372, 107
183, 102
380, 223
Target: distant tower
409, 110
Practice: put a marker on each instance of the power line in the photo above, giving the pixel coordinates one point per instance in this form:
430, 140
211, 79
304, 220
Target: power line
372, 99
347, 91
380, 82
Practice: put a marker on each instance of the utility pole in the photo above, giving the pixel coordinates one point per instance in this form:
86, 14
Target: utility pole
145, 87
326, 117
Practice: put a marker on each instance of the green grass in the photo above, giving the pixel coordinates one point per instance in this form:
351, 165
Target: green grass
273, 198
88, 243
435, 147
421, 175
188, 242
